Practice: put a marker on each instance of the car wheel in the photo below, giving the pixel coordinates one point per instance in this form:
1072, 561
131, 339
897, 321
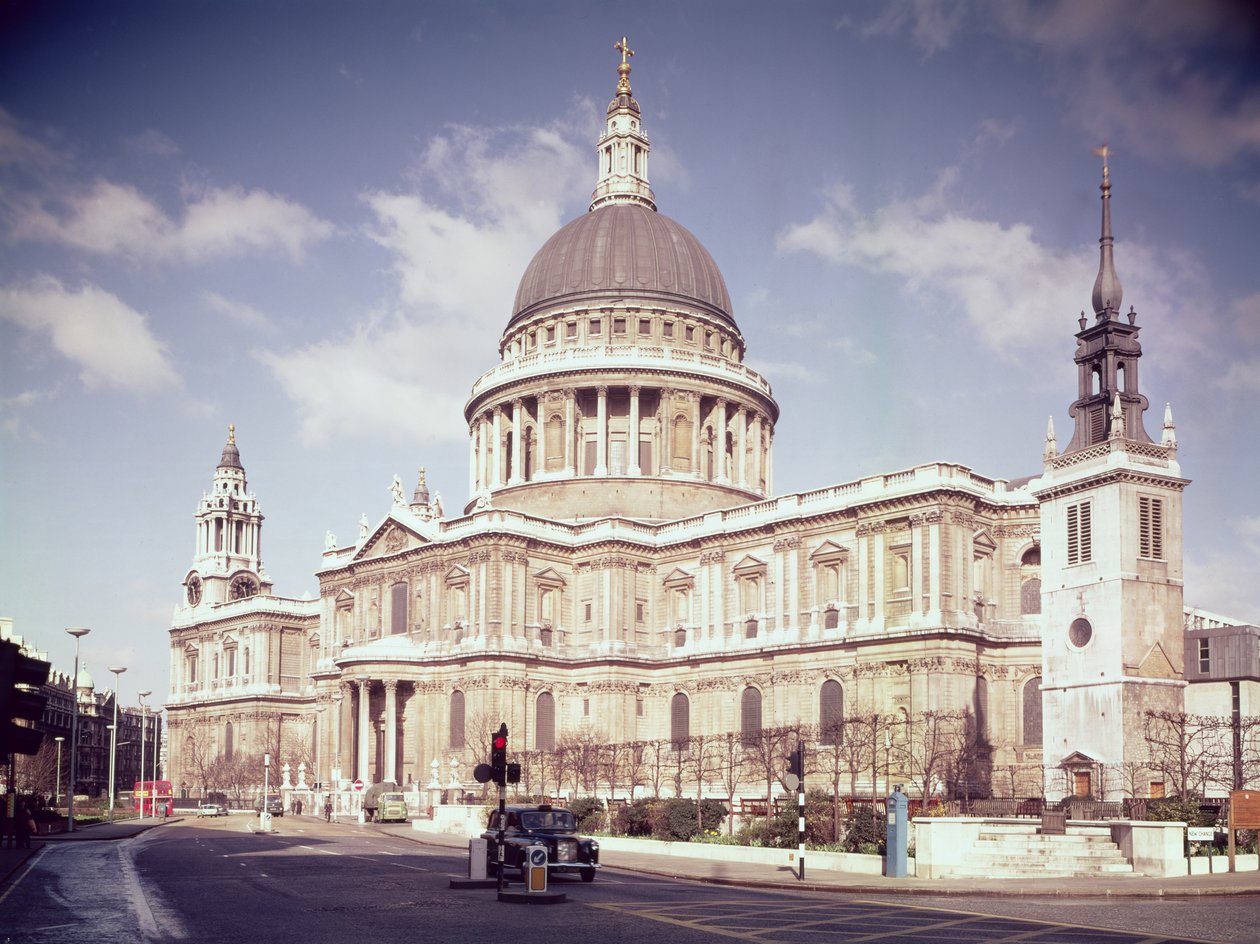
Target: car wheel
588, 875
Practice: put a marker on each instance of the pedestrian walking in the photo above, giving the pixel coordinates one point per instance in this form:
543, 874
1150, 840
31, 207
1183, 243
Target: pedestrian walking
297, 807
328, 810
23, 826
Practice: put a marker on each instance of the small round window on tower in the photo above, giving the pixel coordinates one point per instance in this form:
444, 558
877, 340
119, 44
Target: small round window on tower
1080, 633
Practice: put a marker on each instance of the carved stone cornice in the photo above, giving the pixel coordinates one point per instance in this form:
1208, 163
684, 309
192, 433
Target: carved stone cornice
787, 544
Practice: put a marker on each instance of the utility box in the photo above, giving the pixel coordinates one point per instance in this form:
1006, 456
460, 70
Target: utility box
477, 859
264, 822
897, 835
534, 865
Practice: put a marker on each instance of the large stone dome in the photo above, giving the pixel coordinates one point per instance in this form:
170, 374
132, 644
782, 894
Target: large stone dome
622, 250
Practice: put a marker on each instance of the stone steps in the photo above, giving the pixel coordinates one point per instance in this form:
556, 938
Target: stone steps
1016, 852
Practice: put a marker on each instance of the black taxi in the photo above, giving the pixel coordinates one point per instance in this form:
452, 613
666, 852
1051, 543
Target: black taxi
543, 825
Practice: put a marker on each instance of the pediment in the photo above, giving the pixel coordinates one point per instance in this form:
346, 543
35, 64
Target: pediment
1157, 665
191, 649
550, 575
456, 574
984, 540
228, 640
679, 576
828, 549
390, 537
749, 564
1077, 759
344, 597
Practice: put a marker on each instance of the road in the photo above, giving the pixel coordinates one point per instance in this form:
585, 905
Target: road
312, 883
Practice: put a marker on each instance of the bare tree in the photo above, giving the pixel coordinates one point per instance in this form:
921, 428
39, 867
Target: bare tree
938, 746
768, 751
37, 773
1188, 750
701, 762
731, 770
636, 766
656, 764
198, 754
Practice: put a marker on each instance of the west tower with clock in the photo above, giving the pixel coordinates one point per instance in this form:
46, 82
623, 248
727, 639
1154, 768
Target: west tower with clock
227, 559
1112, 631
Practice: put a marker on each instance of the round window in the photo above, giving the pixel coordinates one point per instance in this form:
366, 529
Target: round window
1080, 633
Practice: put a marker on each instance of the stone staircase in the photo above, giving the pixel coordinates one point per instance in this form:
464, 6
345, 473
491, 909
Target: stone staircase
1021, 851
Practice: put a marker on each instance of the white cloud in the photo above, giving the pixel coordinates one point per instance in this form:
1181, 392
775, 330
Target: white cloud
932, 23
240, 312
153, 142
109, 341
13, 409
483, 204
1242, 376
117, 219
1018, 294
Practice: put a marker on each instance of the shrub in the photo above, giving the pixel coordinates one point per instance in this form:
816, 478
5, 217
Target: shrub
635, 819
589, 813
1179, 809
864, 830
675, 819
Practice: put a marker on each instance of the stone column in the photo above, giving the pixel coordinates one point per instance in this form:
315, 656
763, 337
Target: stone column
601, 432
770, 461
632, 437
665, 425
391, 730
755, 471
720, 471
472, 457
518, 411
741, 447
696, 471
365, 730
496, 452
570, 433
343, 722
483, 449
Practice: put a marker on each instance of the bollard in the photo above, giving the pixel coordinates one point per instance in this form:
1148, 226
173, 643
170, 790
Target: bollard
534, 864
476, 859
897, 835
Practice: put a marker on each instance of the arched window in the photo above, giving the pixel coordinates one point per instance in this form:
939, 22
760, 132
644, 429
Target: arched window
1030, 596
545, 722
831, 713
682, 444
553, 437
1032, 712
679, 720
457, 720
227, 741
750, 715
398, 609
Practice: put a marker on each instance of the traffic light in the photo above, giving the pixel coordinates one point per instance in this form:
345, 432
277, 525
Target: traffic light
796, 761
513, 773
498, 755
22, 703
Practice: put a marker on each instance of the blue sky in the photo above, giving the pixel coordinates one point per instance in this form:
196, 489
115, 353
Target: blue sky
309, 219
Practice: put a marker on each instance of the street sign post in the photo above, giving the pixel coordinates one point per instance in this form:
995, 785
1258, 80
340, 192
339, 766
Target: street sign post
358, 786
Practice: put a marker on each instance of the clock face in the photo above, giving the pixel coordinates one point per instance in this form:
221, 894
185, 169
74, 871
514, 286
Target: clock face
243, 587
194, 590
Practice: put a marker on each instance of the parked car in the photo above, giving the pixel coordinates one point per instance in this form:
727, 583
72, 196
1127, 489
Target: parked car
275, 805
211, 809
542, 825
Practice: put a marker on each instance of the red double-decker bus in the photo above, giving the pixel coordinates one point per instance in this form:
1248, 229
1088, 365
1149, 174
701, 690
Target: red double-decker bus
152, 797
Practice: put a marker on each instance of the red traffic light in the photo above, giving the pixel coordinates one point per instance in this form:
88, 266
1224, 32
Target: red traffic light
500, 742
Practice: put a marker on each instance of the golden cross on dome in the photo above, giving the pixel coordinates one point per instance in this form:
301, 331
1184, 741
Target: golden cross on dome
623, 47
1104, 152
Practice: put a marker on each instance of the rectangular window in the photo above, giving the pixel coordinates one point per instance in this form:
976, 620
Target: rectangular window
594, 327
1150, 527
691, 333
668, 329
551, 333
619, 326
192, 669
638, 707
1205, 656
231, 663
586, 612
586, 707
1079, 534
570, 329
639, 612
645, 326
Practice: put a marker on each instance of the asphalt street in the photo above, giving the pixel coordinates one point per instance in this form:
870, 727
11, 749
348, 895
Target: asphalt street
317, 883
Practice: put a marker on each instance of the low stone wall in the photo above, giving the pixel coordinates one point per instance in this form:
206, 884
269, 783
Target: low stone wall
1152, 848
785, 858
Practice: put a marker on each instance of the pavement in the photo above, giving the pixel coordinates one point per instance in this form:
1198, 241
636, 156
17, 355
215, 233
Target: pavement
749, 875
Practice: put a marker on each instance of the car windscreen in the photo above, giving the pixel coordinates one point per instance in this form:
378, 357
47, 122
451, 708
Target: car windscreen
548, 819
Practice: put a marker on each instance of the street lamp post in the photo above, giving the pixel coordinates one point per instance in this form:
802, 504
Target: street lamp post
144, 718
78, 632
118, 670
57, 786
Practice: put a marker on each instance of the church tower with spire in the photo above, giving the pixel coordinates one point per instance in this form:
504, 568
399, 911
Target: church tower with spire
227, 559
1112, 631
